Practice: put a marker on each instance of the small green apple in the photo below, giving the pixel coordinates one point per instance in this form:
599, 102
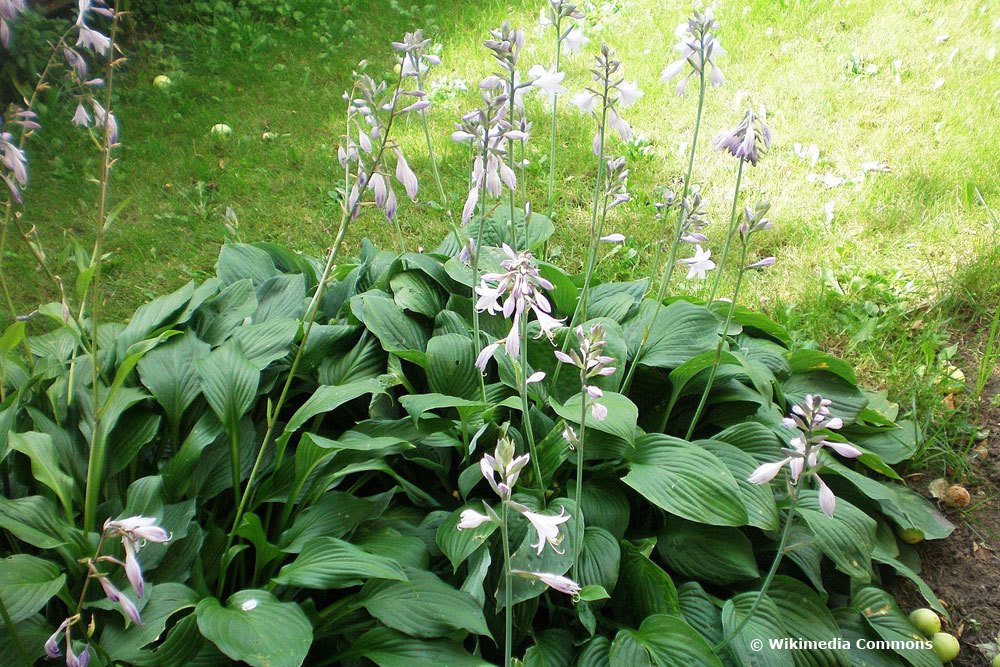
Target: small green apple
946, 646
163, 82
926, 621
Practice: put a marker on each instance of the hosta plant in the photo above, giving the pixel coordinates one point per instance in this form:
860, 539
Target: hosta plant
349, 550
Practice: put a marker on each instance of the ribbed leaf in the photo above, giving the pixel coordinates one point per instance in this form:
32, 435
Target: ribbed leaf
644, 588
327, 562
661, 640
169, 372
680, 332
27, 583
758, 498
229, 382
716, 554
254, 627
884, 617
805, 616
451, 366
765, 624
389, 648
847, 538
457, 545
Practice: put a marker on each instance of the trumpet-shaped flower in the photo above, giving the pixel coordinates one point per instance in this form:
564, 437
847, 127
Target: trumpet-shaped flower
470, 519
698, 264
748, 141
547, 529
554, 581
134, 532
698, 48
547, 81
575, 40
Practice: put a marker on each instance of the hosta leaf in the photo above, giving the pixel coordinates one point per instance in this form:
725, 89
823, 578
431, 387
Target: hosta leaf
280, 298
451, 368
661, 640
620, 421
161, 602
855, 629
328, 398
414, 291
615, 301
847, 538
397, 331
805, 616
31, 635
847, 400
255, 628
238, 261
680, 332
169, 372
45, 467
418, 404
595, 653
884, 617
425, 606
182, 645
229, 382
604, 505
644, 588
268, 341
758, 498
334, 515
365, 360
457, 545
765, 624
686, 480
27, 583
804, 360
700, 612
600, 559
327, 562
34, 520
552, 648
681, 376
219, 316
388, 648
496, 230
716, 554
151, 316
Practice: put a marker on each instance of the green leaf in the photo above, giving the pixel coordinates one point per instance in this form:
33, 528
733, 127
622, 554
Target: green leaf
162, 601
254, 627
335, 514
621, 419
397, 331
847, 538
805, 616
424, 607
169, 372
451, 366
496, 230
417, 404
595, 653
644, 588
45, 468
281, 298
686, 480
804, 360
661, 640
229, 382
716, 554
27, 583
605, 504
268, 341
219, 316
765, 624
700, 612
847, 400
238, 261
884, 617
34, 520
416, 292
600, 560
327, 562
457, 545
152, 316
388, 648
683, 374
328, 398
680, 332
592, 593
552, 648
758, 498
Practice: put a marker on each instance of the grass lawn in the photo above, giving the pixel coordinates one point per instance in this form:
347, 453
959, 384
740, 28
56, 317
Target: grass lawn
885, 253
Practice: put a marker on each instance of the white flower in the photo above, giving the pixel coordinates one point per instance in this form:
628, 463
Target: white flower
585, 101
553, 581
548, 81
547, 528
614, 238
630, 93
698, 264
576, 40
472, 519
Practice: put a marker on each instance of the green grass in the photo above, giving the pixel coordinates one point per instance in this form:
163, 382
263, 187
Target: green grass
906, 264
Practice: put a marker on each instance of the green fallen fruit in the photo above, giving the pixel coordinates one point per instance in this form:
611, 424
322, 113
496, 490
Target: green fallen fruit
926, 621
996, 661
946, 646
162, 82
911, 535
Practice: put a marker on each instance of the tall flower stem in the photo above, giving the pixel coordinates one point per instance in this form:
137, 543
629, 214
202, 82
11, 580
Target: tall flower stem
475, 260
508, 607
578, 495
552, 139
529, 432
98, 448
718, 352
730, 233
580, 311
668, 269
312, 312
510, 163
782, 546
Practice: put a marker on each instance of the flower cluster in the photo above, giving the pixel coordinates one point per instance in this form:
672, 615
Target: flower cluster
754, 221
78, 71
592, 362
616, 182
489, 131
749, 140
611, 93
415, 58
699, 48
501, 470
371, 111
553, 15
9, 9
13, 161
134, 532
514, 293
809, 419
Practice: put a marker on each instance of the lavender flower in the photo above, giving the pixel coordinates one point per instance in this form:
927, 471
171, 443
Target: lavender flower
52, 649
504, 464
803, 455
698, 264
748, 141
698, 49
134, 533
592, 362
13, 165
415, 60
616, 183
115, 595
612, 92
516, 292
553, 581
9, 9
489, 130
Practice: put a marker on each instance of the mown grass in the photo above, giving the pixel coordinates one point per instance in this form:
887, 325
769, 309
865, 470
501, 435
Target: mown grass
888, 268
